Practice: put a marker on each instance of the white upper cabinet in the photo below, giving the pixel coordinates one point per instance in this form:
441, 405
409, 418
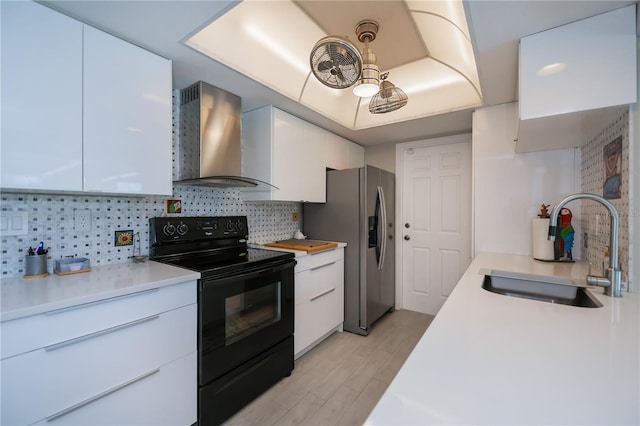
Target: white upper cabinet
569, 74
41, 144
282, 150
127, 117
292, 155
356, 155
584, 65
342, 153
82, 111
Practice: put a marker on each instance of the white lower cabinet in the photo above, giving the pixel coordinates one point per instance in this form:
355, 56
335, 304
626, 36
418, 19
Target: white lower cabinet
319, 306
163, 396
133, 371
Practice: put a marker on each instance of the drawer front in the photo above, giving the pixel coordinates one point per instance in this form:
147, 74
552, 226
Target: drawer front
42, 382
63, 324
166, 396
315, 282
311, 261
317, 317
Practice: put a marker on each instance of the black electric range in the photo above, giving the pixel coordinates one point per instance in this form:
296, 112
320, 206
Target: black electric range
245, 308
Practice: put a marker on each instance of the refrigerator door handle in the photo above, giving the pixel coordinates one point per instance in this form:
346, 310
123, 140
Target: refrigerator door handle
383, 224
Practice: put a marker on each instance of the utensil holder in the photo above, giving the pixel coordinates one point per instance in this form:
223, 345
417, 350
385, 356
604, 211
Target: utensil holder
35, 266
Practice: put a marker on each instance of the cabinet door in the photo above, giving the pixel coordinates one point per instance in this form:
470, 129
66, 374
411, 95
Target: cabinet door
290, 171
44, 382
72, 322
41, 143
580, 66
315, 138
164, 396
356, 156
335, 151
127, 117
319, 298
341, 153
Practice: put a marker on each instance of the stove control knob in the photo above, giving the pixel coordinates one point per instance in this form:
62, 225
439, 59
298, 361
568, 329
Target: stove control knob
240, 225
169, 229
231, 225
183, 228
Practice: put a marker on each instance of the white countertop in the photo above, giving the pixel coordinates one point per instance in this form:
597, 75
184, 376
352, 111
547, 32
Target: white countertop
494, 359
30, 296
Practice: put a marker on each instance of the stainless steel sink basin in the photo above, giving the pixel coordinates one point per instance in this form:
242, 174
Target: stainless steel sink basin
542, 291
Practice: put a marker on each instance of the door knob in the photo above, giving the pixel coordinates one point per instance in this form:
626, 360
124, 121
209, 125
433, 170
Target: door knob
406, 237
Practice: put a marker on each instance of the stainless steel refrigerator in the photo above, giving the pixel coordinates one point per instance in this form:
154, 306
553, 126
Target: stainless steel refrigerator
360, 211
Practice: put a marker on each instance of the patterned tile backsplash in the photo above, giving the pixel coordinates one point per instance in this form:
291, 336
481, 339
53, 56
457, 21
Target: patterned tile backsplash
51, 220
594, 216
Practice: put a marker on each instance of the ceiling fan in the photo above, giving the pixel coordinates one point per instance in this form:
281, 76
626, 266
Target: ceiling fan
337, 63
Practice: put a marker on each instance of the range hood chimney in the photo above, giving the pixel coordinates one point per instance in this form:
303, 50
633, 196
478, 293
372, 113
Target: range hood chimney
209, 151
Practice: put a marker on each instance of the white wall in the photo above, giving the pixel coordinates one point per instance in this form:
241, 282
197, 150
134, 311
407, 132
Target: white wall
508, 188
381, 156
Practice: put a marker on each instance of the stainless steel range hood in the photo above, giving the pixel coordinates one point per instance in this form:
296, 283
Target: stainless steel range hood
209, 149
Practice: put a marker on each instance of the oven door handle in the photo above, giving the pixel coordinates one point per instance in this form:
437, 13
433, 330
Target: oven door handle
249, 274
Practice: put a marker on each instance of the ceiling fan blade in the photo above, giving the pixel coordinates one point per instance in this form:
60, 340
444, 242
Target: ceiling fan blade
339, 55
339, 74
325, 66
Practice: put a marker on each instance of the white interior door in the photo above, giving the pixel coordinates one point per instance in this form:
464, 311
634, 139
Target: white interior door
435, 220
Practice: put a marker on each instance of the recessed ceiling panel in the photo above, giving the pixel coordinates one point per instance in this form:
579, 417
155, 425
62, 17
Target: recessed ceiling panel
267, 41
337, 105
270, 42
452, 11
433, 89
341, 18
447, 44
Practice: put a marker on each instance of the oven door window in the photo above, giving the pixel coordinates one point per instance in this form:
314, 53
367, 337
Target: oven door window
252, 310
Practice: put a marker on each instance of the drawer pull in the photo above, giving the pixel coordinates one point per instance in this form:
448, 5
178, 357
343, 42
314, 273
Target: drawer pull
322, 294
322, 266
100, 395
99, 333
98, 302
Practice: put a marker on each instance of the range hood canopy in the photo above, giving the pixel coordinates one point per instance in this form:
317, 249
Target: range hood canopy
225, 182
209, 149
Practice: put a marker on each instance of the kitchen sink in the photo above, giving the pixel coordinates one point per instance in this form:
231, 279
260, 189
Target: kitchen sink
541, 291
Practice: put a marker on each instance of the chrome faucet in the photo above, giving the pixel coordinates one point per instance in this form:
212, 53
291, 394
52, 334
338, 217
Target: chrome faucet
612, 282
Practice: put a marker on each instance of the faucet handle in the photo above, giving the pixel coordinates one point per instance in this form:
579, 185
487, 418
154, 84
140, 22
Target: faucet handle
598, 281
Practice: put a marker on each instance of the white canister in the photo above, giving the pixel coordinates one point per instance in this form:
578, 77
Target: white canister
542, 247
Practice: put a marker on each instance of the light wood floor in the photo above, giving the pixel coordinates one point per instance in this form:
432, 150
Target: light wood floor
339, 381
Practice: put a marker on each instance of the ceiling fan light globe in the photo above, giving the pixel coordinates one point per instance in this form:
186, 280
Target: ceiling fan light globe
365, 90
369, 83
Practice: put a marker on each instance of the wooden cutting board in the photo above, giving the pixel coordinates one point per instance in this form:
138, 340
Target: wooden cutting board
310, 246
